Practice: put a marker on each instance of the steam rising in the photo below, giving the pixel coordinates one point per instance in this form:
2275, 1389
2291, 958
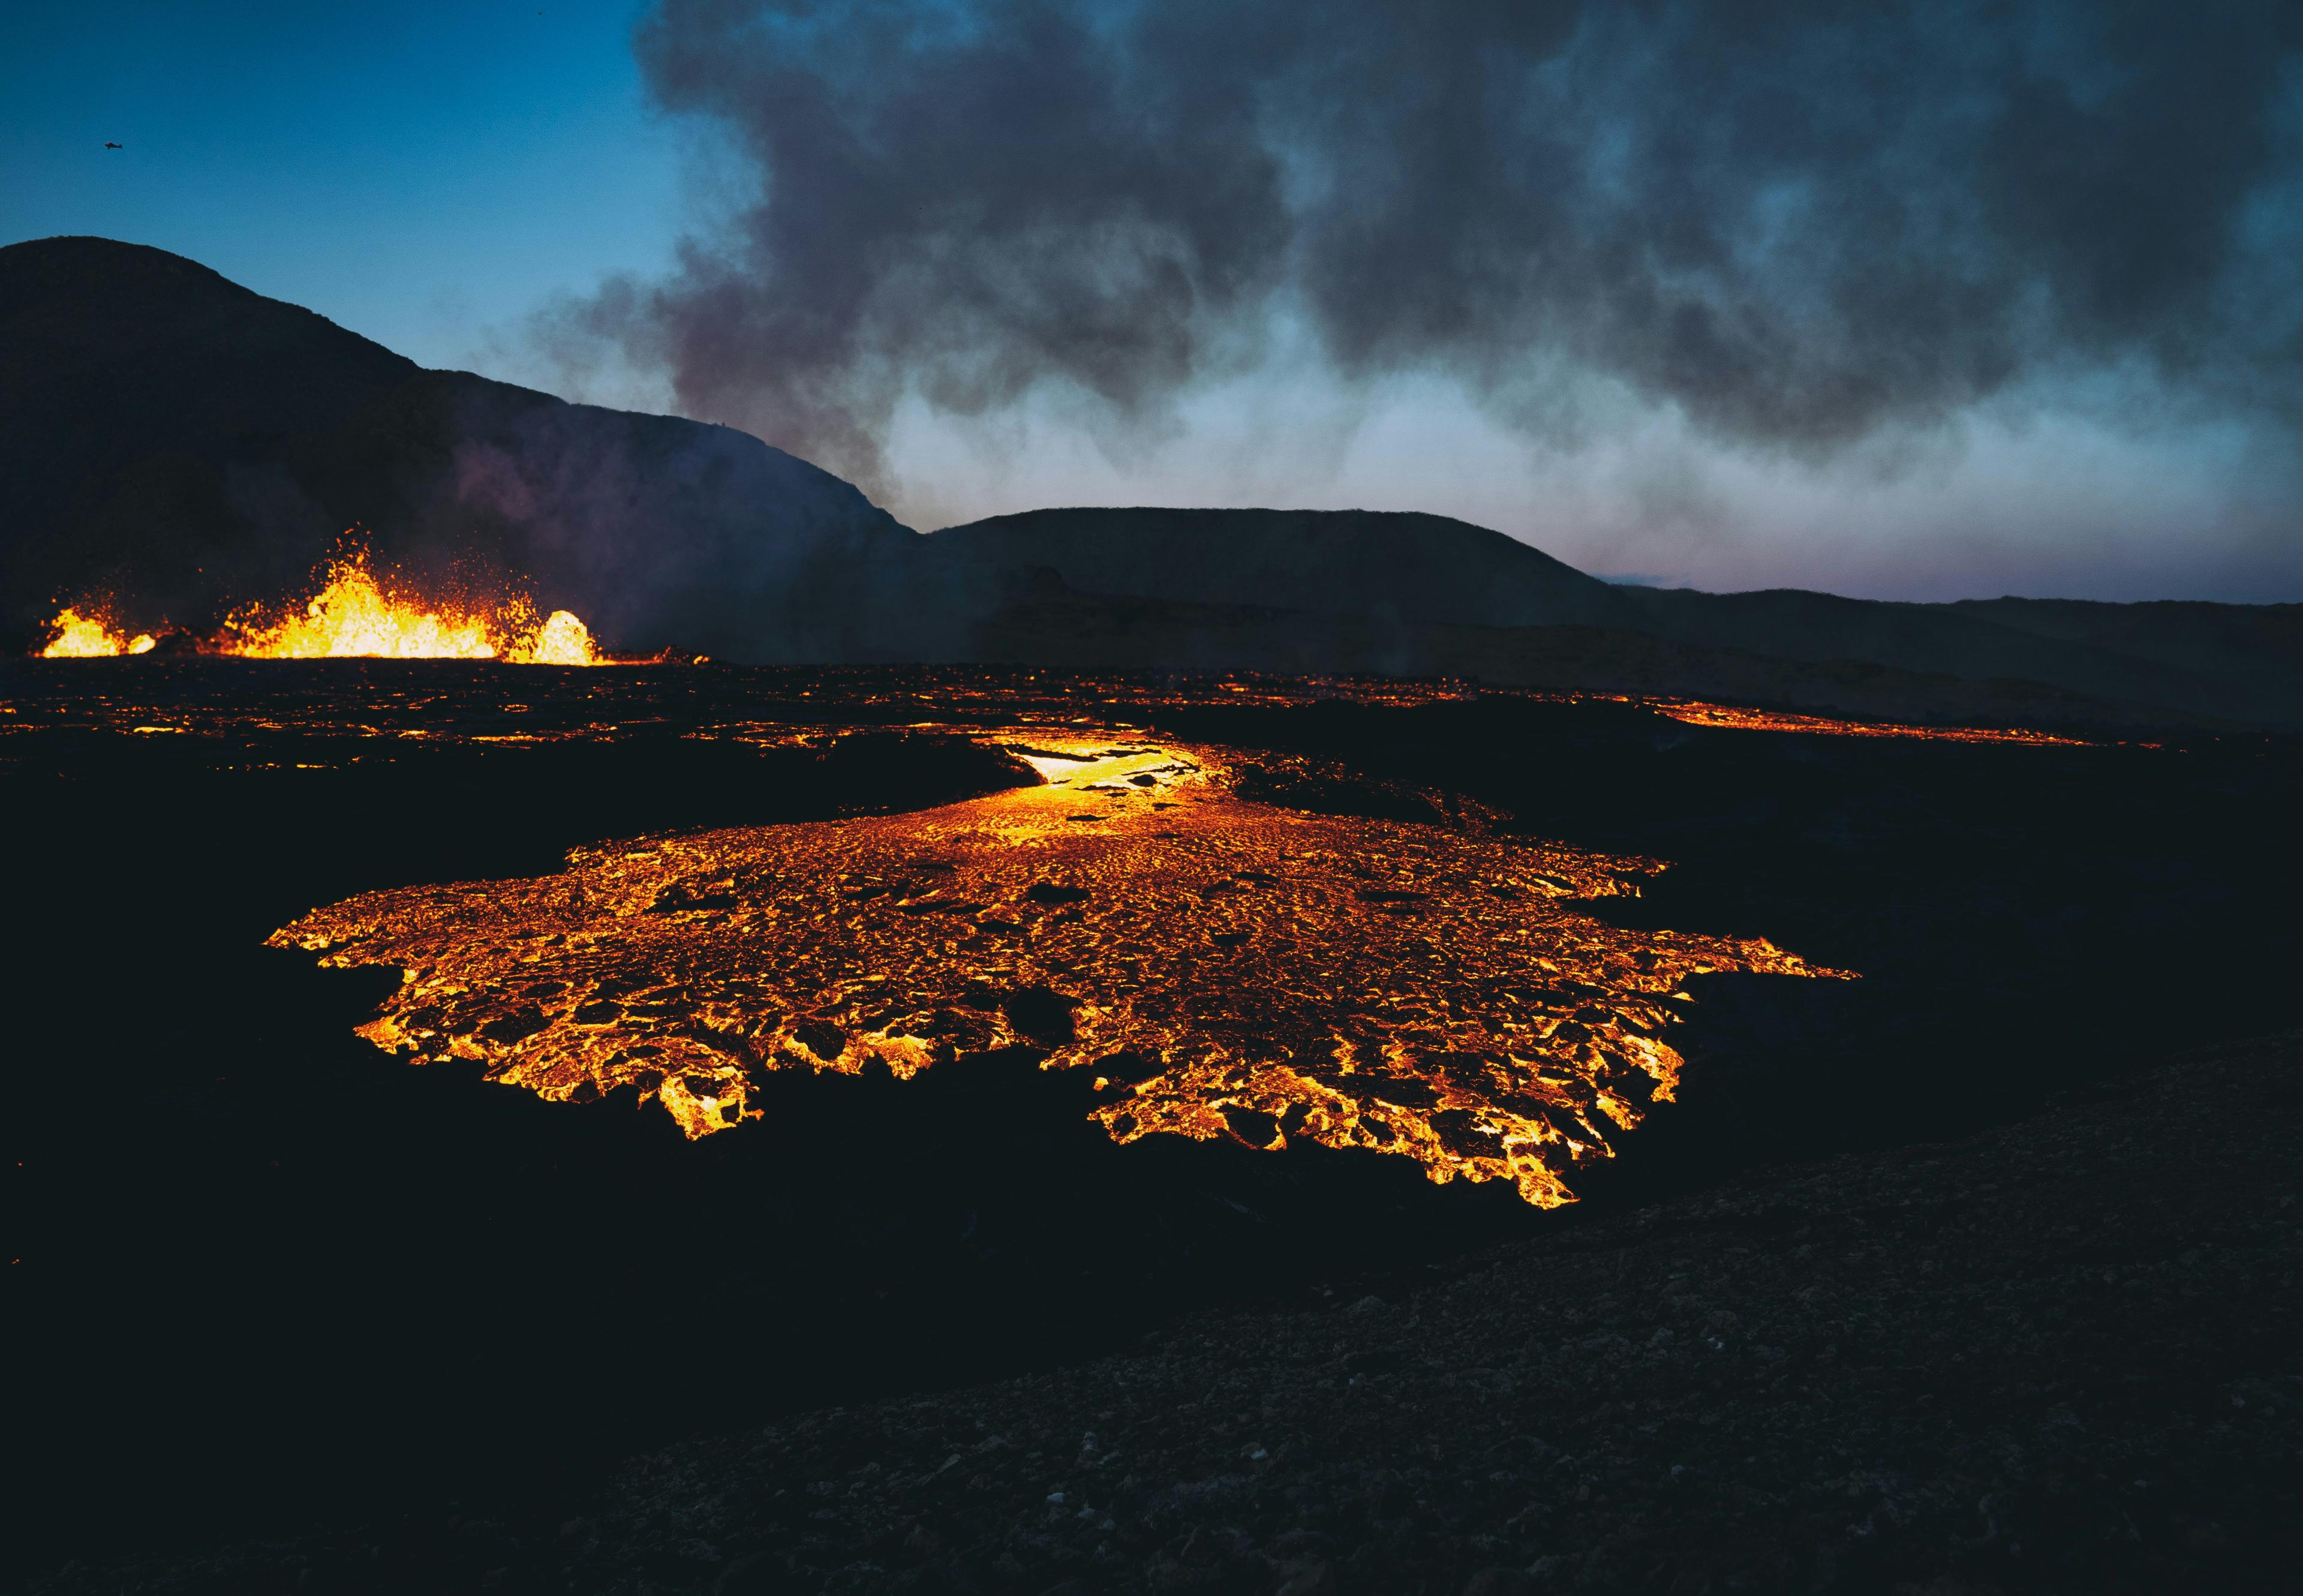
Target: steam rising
1798, 225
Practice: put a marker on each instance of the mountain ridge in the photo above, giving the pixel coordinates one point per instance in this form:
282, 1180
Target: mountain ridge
182, 444
1372, 562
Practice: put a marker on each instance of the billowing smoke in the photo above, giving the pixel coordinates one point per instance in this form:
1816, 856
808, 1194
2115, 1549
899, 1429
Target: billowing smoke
1798, 224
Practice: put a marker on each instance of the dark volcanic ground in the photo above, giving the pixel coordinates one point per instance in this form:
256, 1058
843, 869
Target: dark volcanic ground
271, 1280
2059, 1355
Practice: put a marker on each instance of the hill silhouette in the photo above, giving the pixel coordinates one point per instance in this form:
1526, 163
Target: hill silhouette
1352, 591
183, 445
1400, 567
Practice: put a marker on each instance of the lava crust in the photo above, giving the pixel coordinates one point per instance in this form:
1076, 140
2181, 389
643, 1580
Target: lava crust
1225, 968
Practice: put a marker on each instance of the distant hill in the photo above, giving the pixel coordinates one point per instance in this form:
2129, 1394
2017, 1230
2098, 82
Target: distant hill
2156, 667
2263, 643
1421, 595
1403, 568
171, 438
185, 444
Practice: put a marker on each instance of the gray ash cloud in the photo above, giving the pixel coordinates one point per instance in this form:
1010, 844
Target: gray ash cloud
1800, 225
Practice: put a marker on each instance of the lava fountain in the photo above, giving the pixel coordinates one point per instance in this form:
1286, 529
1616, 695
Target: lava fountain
92, 636
356, 615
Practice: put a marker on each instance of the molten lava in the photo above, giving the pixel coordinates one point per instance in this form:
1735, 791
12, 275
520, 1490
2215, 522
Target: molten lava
1223, 967
93, 636
1729, 716
356, 616
560, 640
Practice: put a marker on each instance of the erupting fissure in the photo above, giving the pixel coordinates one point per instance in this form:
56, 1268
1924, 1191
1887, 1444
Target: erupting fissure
93, 636
356, 616
1222, 968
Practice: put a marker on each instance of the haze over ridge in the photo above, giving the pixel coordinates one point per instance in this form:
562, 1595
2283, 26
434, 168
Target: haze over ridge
1690, 267
178, 445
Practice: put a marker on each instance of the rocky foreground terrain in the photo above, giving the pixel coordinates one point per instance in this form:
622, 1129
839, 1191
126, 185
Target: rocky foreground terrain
2063, 1354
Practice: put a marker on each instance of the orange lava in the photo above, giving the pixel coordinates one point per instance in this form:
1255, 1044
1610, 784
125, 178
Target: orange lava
92, 636
355, 615
1763, 719
1222, 968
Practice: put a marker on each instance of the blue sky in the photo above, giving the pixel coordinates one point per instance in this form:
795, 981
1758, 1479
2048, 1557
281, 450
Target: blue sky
433, 175
419, 172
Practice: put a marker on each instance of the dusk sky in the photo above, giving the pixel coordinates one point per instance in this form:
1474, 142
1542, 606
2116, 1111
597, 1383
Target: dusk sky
1951, 302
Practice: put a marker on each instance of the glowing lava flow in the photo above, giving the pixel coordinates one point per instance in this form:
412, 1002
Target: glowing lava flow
1765, 720
90, 637
356, 616
1225, 967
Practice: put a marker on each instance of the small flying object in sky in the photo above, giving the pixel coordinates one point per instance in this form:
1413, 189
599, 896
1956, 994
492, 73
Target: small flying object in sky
108, 144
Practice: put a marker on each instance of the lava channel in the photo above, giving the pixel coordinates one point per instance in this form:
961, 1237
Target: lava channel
1224, 967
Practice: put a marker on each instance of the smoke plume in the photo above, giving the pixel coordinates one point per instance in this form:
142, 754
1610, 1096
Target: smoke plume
1798, 224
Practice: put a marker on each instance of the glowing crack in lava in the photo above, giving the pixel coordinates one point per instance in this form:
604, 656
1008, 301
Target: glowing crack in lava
356, 615
1225, 967
92, 636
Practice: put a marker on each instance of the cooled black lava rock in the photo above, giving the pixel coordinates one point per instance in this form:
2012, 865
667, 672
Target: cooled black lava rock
2057, 1356
1040, 1015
